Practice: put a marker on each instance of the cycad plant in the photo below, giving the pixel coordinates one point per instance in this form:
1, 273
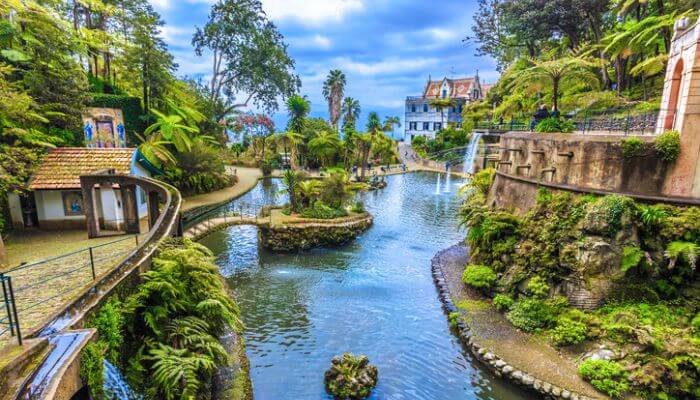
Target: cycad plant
324, 146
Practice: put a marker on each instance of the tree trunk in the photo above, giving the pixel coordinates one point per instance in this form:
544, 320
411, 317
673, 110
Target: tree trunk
555, 94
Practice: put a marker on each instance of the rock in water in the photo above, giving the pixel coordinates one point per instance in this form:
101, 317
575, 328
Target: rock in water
350, 377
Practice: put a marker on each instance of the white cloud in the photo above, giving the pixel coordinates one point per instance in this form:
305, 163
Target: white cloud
176, 34
386, 66
311, 42
311, 12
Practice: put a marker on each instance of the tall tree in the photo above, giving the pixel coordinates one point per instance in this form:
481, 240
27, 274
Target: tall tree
390, 123
333, 90
351, 112
249, 56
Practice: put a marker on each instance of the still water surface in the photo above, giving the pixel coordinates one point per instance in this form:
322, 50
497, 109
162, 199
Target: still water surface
373, 296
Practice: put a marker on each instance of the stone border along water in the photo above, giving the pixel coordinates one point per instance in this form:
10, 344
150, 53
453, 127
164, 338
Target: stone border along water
494, 363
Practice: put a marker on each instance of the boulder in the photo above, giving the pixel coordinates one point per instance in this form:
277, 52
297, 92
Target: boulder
350, 377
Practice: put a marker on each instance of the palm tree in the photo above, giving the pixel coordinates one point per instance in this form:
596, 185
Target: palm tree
363, 143
389, 123
324, 147
333, 89
298, 108
554, 73
374, 124
385, 148
308, 190
172, 128
442, 105
351, 112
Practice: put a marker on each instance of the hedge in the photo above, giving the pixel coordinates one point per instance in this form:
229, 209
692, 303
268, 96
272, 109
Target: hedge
134, 120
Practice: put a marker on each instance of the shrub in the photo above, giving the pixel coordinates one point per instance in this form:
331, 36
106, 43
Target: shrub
605, 216
482, 180
453, 318
568, 332
668, 145
479, 276
554, 125
632, 147
631, 257
696, 322
652, 216
358, 207
109, 322
503, 302
531, 314
321, 210
607, 376
538, 287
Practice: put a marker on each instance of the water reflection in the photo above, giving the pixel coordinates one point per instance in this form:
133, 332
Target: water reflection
374, 295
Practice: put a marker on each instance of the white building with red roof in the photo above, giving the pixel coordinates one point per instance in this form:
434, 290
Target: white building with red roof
424, 119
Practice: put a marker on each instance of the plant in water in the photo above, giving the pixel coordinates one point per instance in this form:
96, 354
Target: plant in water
607, 376
503, 302
350, 377
668, 145
632, 147
479, 276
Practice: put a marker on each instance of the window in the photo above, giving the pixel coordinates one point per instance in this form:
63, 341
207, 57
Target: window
425, 107
438, 126
426, 126
444, 93
459, 125
413, 108
142, 196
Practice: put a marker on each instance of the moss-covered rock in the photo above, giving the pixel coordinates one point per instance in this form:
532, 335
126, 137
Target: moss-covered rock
351, 377
310, 233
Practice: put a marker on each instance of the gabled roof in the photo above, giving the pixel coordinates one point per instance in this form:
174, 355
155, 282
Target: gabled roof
62, 167
459, 88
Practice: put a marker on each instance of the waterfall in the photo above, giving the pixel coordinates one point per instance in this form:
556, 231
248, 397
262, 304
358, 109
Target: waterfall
447, 182
470, 154
115, 384
437, 185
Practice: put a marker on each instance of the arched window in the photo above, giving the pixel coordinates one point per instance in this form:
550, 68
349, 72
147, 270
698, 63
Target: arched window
672, 109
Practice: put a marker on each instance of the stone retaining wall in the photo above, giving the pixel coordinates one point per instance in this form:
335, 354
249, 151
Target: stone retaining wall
291, 237
493, 362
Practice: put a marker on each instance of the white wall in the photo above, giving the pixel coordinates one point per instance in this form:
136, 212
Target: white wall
49, 206
15, 210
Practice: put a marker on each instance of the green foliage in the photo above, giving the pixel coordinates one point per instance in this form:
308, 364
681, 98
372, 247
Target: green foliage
109, 323
605, 216
569, 332
668, 145
696, 322
321, 210
134, 118
652, 216
606, 376
453, 318
688, 252
554, 125
358, 207
631, 257
482, 180
502, 302
92, 369
479, 276
351, 377
530, 314
177, 315
538, 287
632, 147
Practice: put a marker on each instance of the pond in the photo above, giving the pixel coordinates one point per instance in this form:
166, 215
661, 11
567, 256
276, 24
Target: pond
374, 296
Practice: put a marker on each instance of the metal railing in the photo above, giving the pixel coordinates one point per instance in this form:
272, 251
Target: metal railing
33, 290
227, 211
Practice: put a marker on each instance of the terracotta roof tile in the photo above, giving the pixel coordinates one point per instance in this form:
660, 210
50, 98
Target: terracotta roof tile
62, 167
458, 87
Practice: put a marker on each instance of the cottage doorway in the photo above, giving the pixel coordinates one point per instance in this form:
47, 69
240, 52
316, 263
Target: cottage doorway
30, 218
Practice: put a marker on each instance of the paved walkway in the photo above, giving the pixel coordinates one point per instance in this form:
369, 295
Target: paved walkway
247, 179
492, 330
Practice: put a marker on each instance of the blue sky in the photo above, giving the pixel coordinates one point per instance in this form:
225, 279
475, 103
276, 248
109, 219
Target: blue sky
386, 48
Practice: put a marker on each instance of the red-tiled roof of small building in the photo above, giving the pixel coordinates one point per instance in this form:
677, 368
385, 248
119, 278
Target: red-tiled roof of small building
458, 87
62, 167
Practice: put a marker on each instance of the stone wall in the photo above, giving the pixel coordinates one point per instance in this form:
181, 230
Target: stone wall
302, 236
579, 163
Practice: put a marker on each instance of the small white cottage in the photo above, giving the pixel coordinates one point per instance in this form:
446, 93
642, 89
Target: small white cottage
55, 199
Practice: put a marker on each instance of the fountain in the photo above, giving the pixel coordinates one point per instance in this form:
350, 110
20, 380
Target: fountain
115, 384
437, 185
447, 182
470, 154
